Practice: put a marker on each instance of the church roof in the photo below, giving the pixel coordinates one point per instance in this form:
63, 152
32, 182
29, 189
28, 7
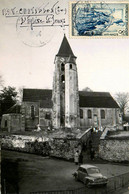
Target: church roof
65, 49
97, 99
38, 95
16, 108
86, 99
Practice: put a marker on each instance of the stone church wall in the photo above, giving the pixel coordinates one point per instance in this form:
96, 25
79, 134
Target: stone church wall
31, 122
111, 117
45, 117
11, 122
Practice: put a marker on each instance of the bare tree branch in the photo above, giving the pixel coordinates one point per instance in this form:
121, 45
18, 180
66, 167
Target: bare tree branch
1, 82
87, 89
20, 94
122, 99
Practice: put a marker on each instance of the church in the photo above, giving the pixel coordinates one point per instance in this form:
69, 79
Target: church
64, 106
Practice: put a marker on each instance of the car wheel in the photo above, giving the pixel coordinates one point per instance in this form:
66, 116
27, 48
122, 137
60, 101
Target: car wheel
86, 182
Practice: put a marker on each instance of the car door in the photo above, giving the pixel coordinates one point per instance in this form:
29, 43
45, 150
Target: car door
82, 174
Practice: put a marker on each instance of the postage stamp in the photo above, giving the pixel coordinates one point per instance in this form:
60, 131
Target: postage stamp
99, 19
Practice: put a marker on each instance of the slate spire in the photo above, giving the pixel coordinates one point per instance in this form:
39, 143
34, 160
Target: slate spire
65, 49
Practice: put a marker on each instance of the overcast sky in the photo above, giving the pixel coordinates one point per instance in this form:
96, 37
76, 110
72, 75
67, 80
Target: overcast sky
103, 64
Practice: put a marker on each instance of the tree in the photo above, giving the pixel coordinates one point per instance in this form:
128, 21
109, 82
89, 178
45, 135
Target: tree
20, 94
1, 81
8, 97
122, 99
87, 89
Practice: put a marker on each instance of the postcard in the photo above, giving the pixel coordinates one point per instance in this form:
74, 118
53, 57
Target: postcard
64, 93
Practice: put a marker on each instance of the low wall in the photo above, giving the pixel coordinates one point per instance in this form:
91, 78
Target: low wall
56, 147
27, 144
64, 148
115, 150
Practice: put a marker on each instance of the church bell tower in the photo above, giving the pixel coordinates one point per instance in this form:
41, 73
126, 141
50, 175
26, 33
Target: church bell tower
65, 95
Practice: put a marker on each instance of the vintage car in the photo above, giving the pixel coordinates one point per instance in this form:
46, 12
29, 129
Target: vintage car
90, 175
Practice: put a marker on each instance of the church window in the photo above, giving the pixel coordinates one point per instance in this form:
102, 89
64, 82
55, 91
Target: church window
102, 114
89, 114
81, 113
32, 112
62, 119
62, 67
6, 123
48, 116
70, 66
62, 78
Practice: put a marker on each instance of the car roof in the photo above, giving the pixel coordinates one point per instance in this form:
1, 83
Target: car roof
86, 166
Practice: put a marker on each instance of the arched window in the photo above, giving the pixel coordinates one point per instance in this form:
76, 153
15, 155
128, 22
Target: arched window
62, 120
102, 114
70, 66
6, 123
89, 113
32, 112
62, 67
81, 113
62, 78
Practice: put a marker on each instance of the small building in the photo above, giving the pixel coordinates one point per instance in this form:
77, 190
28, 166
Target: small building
12, 120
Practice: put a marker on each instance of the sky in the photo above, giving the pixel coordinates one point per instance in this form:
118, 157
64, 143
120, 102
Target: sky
27, 56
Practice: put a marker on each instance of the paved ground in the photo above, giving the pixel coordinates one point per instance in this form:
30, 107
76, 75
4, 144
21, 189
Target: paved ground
36, 173
124, 190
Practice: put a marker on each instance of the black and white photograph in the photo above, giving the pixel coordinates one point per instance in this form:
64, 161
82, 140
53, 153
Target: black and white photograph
64, 97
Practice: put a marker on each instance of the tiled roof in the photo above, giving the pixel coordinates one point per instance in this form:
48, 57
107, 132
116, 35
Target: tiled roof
38, 95
14, 109
65, 49
87, 99
97, 99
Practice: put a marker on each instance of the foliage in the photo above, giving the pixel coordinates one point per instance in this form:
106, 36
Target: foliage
8, 97
87, 89
122, 99
1, 81
20, 94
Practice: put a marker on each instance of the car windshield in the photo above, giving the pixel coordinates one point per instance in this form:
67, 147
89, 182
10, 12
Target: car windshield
93, 170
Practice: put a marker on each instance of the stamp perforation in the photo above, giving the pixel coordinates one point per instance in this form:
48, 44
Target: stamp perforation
126, 19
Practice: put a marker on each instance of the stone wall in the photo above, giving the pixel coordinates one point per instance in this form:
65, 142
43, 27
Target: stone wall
72, 116
30, 123
27, 144
112, 117
11, 122
116, 150
65, 94
45, 117
63, 148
